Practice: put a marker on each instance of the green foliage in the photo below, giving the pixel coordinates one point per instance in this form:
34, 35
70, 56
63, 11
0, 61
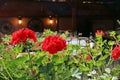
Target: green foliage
69, 64
49, 32
6, 38
112, 34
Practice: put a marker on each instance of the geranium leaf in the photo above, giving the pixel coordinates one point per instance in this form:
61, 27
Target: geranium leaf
111, 42
40, 59
66, 74
113, 33
84, 68
100, 63
103, 57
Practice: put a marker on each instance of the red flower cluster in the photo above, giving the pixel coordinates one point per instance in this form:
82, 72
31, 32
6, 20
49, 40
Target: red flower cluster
115, 53
99, 32
88, 57
22, 35
53, 44
34, 71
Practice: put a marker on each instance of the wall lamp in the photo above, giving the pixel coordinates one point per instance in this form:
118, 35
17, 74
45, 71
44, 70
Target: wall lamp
19, 20
51, 20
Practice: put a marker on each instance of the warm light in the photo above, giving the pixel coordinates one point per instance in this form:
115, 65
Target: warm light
51, 21
20, 20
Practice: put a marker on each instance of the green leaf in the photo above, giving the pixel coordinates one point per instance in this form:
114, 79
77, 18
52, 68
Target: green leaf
107, 51
40, 59
63, 35
57, 59
100, 63
112, 34
75, 60
84, 68
17, 61
115, 71
46, 69
111, 43
90, 61
103, 57
50, 66
66, 74
0, 62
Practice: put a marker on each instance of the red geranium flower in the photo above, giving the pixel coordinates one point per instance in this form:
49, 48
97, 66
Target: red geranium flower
37, 44
53, 44
34, 71
115, 53
22, 35
99, 32
88, 57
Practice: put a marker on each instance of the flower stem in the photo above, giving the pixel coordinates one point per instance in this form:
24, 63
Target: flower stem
3, 76
99, 71
30, 61
110, 60
6, 70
